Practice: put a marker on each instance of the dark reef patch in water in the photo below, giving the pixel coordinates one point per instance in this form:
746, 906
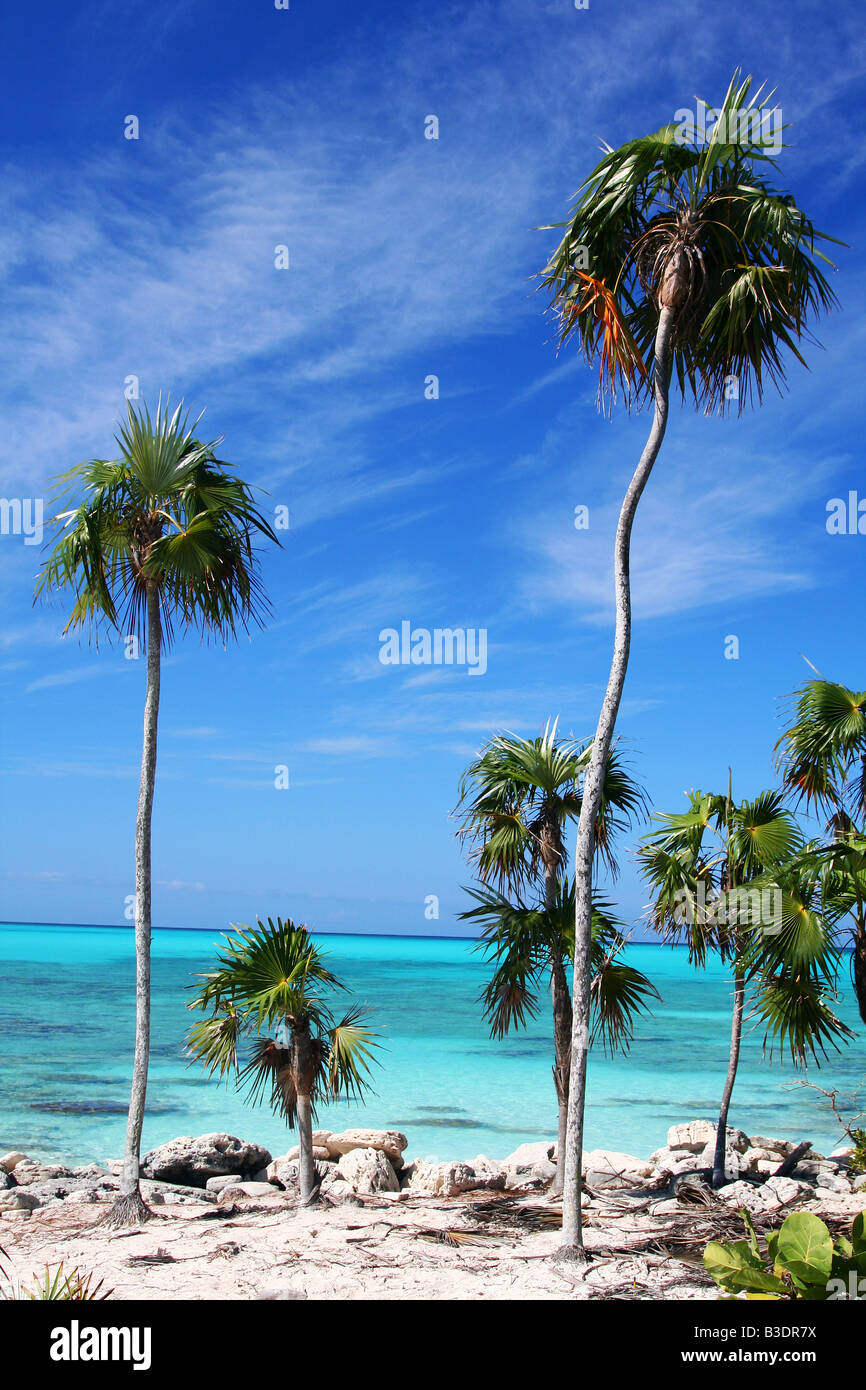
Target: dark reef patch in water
95, 1107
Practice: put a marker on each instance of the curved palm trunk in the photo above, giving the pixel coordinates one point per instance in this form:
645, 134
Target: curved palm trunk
733, 1063
572, 1224
129, 1207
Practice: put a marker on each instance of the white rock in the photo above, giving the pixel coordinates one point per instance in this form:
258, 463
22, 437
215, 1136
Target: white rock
247, 1191
526, 1155
450, 1179
747, 1195
733, 1161
10, 1161
224, 1180
753, 1156
192, 1160
387, 1141
17, 1199
605, 1166
673, 1161
781, 1191
696, 1135
368, 1170
834, 1182
859, 1183
782, 1147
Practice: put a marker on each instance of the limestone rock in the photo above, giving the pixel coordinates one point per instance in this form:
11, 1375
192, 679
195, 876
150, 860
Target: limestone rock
696, 1135
450, 1179
781, 1191
834, 1182
10, 1161
193, 1160
733, 1164
216, 1185
673, 1161
387, 1141
747, 1195
246, 1192
28, 1172
368, 1170
782, 1147
606, 1167
284, 1172
526, 1155
18, 1199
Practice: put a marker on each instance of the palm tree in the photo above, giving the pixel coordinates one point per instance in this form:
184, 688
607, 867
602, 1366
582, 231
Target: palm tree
822, 757
516, 800
698, 266
524, 944
162, 536
725, 879
270, 989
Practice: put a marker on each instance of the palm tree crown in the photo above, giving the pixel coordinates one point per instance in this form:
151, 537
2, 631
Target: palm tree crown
693, 226
272, 990
165, 515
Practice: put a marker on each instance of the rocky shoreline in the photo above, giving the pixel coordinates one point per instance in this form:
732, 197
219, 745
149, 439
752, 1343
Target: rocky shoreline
763, 1174
228, 1222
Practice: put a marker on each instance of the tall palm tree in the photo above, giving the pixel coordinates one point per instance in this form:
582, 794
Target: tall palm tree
698, 266
524, 944
161, 537
822, 757
270, 990
516, 800
711, 871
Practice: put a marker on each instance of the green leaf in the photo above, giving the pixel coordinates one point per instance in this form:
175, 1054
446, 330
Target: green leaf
805, 1248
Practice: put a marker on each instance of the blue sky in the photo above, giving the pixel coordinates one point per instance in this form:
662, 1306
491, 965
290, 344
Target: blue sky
409, 258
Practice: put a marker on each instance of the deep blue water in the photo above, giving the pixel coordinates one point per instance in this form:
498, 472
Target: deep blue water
66, 1031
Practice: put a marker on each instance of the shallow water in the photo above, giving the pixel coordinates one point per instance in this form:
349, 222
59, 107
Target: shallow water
66, 1031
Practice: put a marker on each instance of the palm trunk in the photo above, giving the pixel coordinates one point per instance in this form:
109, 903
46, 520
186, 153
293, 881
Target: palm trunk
308, 1177
129, 1208
304, 1070
572, 1223
561, 1000
733, 1062
859, 962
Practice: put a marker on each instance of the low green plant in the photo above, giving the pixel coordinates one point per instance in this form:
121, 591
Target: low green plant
52, 1287
800, 1261
857, 1156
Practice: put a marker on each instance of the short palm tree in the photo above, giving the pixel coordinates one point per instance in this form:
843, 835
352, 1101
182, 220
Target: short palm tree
162, 537
822, 757
525, 944
697, 267
516, 801
724, 879
270, 993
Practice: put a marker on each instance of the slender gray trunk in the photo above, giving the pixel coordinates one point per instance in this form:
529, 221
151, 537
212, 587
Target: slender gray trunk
130, 1208
561, 1000
733, 1063
572, 1222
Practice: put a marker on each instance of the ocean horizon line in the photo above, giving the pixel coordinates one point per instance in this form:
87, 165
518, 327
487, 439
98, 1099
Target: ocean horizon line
317, 931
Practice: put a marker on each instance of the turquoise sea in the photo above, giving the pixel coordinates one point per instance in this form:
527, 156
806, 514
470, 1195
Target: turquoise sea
66, 1031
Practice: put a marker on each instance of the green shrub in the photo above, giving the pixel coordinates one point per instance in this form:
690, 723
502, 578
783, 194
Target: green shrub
801, 1261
